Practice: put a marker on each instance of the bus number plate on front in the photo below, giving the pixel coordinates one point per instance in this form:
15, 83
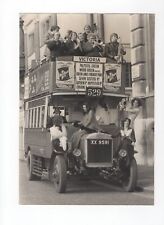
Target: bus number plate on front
93, 92
99, 141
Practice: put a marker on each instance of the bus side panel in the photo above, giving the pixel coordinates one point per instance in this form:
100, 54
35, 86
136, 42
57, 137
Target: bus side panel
39, 141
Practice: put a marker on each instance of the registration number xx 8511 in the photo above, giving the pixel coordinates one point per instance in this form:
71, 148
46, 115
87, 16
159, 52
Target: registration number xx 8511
100, 142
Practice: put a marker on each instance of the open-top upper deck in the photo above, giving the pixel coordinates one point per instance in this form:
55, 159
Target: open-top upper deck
76, 75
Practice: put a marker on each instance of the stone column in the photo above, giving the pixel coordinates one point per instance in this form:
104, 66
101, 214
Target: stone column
100, 25
142, 69
90, 19
54, 19
138, 79
138, 55
149, 22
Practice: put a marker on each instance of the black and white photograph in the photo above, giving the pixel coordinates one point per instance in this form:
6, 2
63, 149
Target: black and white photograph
100, 147
81, 112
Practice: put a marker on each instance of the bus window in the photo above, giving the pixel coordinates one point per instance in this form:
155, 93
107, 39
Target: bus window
38, 119
50, 111
32, 118
29, 121
27, 112
42, 116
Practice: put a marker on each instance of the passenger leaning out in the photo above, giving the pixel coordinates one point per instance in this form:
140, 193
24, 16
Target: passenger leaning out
49, 40
56, 46
58, 133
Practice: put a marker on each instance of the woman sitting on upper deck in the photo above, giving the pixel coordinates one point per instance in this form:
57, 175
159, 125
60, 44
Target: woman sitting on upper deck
73, 46
92, 47
56, 46
114, 50
87, 30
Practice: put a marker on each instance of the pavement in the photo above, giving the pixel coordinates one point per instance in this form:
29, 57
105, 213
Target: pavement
146, 177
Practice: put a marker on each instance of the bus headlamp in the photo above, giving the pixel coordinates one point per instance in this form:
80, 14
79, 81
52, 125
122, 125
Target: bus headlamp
122, 153
77, 152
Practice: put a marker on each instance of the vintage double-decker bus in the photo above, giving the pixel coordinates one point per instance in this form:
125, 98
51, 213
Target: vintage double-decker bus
66, 83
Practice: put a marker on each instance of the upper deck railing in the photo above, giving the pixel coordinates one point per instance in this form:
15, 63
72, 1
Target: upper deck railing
77, 75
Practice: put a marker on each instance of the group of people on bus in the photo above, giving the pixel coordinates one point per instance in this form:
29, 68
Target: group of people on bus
86, 43
93, 119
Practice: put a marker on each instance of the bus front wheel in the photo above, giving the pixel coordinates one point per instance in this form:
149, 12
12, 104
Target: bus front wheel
59, 174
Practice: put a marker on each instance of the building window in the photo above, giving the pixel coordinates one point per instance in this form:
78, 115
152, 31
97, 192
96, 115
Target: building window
27, 118
45, 26
35, 117
31, 43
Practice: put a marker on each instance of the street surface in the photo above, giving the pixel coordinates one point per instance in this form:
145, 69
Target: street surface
84, 192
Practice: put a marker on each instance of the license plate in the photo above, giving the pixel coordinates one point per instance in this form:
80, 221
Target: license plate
99, 141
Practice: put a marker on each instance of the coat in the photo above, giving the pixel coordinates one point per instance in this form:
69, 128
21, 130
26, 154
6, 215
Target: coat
91, 51
111, 50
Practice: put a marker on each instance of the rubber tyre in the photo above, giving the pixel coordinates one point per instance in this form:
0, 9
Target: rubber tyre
131, 183
59, 173
30, 174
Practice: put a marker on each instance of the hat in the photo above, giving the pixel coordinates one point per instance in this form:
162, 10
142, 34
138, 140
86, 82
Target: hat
113, 71
65, 68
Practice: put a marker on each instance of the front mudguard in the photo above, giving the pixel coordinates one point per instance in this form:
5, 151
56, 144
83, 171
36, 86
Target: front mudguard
126, 161
56, 150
